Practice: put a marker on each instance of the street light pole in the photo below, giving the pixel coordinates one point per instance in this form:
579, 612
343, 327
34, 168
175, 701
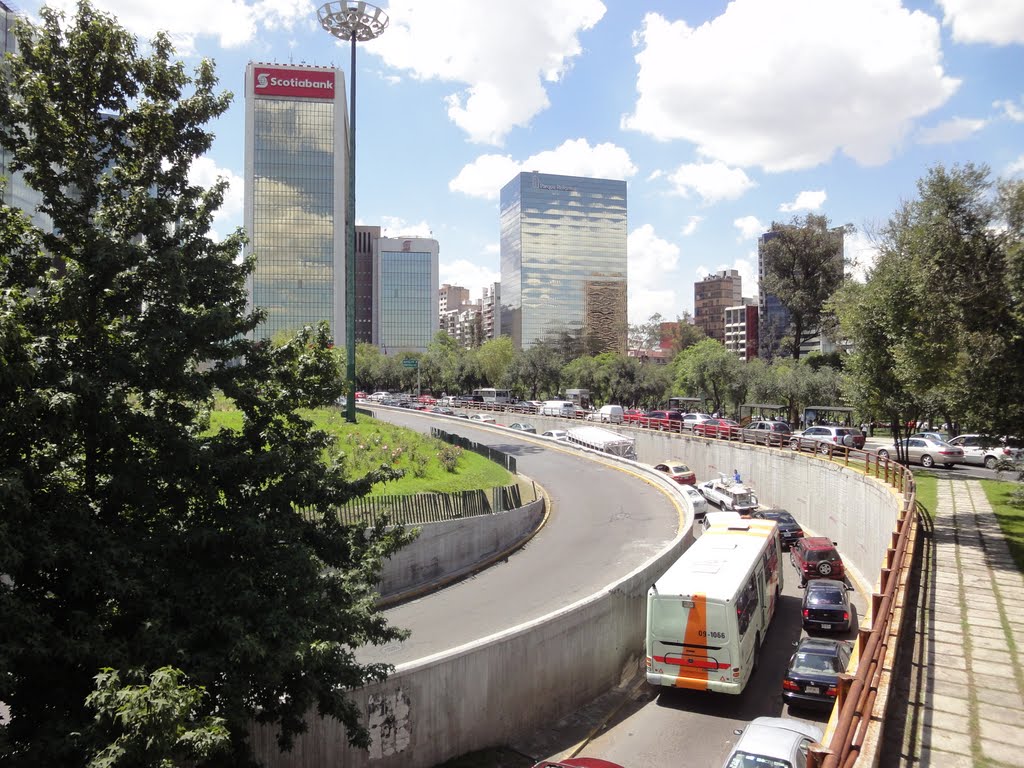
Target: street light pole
351, 20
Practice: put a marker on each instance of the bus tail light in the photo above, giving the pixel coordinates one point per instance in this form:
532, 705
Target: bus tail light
650, 664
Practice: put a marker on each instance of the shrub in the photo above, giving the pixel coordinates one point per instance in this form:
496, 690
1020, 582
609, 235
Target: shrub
449, 456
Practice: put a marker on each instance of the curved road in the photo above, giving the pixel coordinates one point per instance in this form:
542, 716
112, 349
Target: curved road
603, 523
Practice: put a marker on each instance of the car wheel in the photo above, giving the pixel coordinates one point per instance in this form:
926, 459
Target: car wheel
794, 444
883, 454
927, 461
825, 569
823, 449
990, 462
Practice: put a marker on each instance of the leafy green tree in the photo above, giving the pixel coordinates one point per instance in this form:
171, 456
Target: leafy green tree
536, 372
131, 539
494, 358
707, 368
683, 334
646, 336
803, 267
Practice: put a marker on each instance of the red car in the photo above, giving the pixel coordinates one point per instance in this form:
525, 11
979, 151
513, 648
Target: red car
715, 427
678, 471
816, 557
662, 420
360, 395
577, 762
632, 416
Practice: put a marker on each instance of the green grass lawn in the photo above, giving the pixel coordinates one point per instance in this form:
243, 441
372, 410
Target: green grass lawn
927, 490
369, 443
1011, 519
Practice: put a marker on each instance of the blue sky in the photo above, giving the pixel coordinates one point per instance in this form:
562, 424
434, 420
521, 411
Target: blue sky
722, 117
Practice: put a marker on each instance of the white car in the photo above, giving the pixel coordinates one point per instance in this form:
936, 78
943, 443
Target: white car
984, 450
774, 742
729, 495
378, 396
556, 434
483, 417
700, 504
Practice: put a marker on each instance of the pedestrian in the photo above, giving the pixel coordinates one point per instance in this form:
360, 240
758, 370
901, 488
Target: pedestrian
736, 476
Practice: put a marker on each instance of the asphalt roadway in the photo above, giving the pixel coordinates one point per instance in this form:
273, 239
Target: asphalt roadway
603, 523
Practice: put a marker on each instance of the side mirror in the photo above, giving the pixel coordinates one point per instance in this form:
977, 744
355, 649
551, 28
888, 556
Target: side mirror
835, 543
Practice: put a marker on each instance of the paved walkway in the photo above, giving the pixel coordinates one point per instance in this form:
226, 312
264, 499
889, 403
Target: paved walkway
959, 700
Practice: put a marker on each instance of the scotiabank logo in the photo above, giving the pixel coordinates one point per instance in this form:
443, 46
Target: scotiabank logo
310, 84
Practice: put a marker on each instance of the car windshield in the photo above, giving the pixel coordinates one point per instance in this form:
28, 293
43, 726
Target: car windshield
747, 760
678, 469
814, 663
819, 555
825, 596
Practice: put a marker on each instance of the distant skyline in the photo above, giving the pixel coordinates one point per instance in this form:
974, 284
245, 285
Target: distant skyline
721, 117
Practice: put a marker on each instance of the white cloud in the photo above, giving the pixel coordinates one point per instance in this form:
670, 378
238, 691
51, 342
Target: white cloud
785, 85
232, 22
749, 227
1016, 167
468, 275
808, 200
948, 131
984, 21
203, 173
652, 262
504, 51
861, 253
486, 175
1011, 110
393, 226
712, 181
691, 225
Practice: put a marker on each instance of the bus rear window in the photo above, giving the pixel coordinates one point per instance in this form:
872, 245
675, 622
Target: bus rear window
672, 622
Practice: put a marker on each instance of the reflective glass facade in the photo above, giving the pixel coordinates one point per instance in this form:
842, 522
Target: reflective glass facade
405, 301
563, 261
295, 153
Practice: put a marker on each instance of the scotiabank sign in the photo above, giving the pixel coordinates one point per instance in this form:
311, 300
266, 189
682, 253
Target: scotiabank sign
310, 84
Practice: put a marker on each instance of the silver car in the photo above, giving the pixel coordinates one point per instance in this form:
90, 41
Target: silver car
984, 450
773, 742
927, 452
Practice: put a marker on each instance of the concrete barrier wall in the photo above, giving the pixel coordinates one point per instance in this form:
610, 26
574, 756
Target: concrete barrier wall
486, 692
452, 548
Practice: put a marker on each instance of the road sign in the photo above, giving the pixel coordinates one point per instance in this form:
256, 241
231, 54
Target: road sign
410, 362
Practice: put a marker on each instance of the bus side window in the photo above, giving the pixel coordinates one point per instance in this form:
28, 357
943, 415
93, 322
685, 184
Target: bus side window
746, 605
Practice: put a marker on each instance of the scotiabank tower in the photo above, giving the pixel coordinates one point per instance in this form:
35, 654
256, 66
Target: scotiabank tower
295, 186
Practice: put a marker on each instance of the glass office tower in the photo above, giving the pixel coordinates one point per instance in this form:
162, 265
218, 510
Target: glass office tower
563, 262
295, 183
405, 315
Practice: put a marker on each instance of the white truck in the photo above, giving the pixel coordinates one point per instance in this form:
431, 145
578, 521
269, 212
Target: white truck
603, 440
728, 495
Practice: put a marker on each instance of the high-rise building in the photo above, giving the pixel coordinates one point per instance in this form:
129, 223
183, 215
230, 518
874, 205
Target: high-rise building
491, 311
366, 243
405, 315
710, 298
451, 297
296, 146
563, 261
741, 329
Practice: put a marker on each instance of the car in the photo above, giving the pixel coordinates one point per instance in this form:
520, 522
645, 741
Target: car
632, 416
461, 415
926, 451
677, 471
442, 410
522, 426
773, 742
814, 671
556, 434
360, 395
826, 606
577, 762
766, 432
789, 528
700, 504
426, 400
820, 438
483, 417
816, 556
691, 420
662, 420
983, 449
712, 427
729, 495
379, 396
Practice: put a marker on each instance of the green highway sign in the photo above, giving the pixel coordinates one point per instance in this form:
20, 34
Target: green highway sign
410, 362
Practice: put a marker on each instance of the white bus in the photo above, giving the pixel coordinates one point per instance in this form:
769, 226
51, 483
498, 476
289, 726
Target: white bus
492, 395
708, 614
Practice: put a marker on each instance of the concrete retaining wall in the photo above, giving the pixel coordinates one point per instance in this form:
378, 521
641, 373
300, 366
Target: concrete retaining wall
453, 548
484, 693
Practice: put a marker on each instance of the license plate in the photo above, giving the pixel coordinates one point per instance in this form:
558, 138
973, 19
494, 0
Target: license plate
826, 626
812, 689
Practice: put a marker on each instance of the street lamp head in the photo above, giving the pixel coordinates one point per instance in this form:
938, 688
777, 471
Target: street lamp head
353, 18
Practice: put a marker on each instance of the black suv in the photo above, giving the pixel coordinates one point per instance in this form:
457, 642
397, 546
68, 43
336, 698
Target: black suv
789, 529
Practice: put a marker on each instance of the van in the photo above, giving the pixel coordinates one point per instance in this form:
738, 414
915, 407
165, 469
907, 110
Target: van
720, 518
610, 414
558, 408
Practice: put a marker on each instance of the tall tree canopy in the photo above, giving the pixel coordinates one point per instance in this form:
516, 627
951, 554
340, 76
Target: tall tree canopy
134, 545
803, 267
